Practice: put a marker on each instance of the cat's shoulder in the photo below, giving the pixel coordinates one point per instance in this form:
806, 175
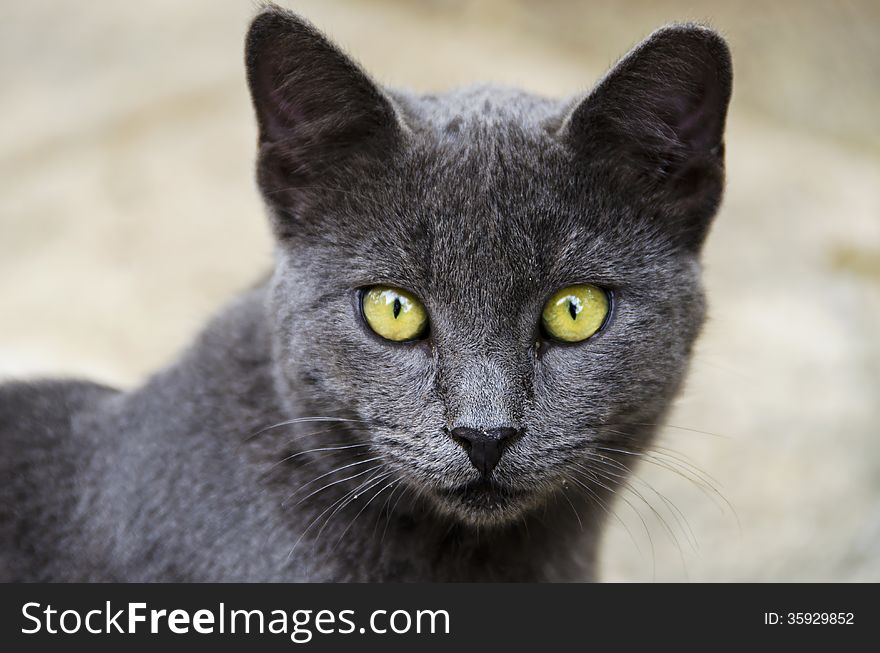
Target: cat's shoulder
38, 413
40, 451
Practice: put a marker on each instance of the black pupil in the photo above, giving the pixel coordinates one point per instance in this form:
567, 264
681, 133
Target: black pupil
396, 307
572, 310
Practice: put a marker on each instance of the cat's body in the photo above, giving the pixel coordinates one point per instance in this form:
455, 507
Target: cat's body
291, 443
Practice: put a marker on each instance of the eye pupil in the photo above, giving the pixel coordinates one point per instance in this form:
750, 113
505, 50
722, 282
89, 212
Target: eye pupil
396, 307
572, 310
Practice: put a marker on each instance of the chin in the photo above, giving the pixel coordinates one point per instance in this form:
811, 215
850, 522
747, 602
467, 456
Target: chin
485, 503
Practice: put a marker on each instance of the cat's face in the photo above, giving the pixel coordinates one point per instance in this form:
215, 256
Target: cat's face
481, 204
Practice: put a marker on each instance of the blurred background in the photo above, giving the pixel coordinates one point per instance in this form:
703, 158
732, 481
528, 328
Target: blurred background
128, 214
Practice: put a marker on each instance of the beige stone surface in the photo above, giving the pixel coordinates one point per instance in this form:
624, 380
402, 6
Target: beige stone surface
128, 214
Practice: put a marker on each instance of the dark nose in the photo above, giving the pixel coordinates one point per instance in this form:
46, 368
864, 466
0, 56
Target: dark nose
485, 446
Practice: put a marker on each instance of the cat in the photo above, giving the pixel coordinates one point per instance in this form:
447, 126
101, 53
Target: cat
481, 301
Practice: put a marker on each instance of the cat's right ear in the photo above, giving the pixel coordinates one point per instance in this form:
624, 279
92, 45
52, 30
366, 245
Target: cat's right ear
316, 108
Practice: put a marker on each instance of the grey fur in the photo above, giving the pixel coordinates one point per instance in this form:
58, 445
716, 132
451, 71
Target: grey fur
482, 202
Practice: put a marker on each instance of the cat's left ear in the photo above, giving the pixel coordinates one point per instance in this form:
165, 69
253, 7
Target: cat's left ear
654, 126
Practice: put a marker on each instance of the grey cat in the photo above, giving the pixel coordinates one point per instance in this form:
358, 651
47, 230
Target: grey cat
404, 399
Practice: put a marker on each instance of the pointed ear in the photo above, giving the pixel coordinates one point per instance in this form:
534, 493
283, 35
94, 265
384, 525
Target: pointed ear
315, 107
655, 125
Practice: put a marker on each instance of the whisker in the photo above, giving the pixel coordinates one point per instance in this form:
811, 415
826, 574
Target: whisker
679, 517
406, 490
323, 512
302, 420
657, 515
628, 476
680, 458
637, 494
706, 487
367, 485
661, 425
611, 513
574, 510
309, 434
384, 508
364, 507
642, 520
333, 471
316, 450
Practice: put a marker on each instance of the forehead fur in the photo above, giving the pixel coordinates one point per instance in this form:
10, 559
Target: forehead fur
480, 191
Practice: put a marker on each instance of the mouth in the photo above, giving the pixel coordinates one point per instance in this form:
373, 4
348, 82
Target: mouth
485, 497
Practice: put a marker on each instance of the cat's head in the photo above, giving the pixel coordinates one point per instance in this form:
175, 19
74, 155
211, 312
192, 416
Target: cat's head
448, 223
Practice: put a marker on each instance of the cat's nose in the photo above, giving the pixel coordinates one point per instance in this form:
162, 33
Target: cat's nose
485, 446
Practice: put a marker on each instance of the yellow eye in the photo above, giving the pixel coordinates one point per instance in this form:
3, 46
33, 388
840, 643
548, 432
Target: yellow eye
575, 313
394, 314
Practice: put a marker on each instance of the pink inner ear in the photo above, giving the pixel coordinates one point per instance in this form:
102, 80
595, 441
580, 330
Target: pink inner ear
283, 113
697, 121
